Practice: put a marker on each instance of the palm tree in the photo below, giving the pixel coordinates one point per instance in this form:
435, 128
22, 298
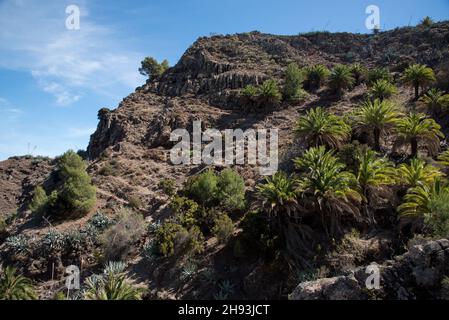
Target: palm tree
327, 187
443, 158
358, 72
319, 127
340, 79
417, 172
434, 101
418, 75
417, 201
377, 118
279, 199
373, 173
379, 74
269, 94
382, 89
316, 75
113, 284
277, 195
15, 287
416, 128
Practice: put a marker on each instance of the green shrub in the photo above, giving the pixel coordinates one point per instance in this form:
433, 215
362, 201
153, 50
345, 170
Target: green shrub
134, 202
185, 210
151, 68
203, 188
39, 201
110, 169
118, 239
75, 195
437, 220
173, 239
426, 22
231, 190
168, 186
223, 228
294, 77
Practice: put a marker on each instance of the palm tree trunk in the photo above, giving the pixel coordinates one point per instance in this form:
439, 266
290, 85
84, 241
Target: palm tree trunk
416, 91
414, 145
376, 139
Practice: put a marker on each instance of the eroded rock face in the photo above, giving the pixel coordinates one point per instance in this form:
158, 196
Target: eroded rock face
415, 275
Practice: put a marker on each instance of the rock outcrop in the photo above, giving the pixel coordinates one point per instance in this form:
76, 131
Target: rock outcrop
416, 274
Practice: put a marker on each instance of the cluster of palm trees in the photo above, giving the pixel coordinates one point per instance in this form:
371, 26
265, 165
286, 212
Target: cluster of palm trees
323, 186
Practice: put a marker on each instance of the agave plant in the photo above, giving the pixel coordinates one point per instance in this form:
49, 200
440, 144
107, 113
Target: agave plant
417, 76
416, 129
15, 287
376, 118
417, 172
319, 127
435, 101
340, 79
382, 89
331, 191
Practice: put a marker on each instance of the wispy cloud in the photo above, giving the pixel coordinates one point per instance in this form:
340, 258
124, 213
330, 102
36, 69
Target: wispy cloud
65, 63
8, 112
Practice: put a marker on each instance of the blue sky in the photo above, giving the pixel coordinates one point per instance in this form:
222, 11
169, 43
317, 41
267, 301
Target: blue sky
53, 80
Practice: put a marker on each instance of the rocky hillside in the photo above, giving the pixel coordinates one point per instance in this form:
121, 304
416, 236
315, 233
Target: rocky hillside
128, 155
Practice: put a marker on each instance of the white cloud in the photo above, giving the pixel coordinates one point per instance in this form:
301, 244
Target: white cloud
65, 63
8, 112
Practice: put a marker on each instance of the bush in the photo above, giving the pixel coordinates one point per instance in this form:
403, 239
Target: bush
223, 228
248, 96
134, 202
437, 221
17, 244
118, 239
186, 211
109, 169
294, 77
99, 221
168, 186
231, 190
173, 239
39, 201
203, 188
358, 73
53, 242
74, 195
381, 89
151, 68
